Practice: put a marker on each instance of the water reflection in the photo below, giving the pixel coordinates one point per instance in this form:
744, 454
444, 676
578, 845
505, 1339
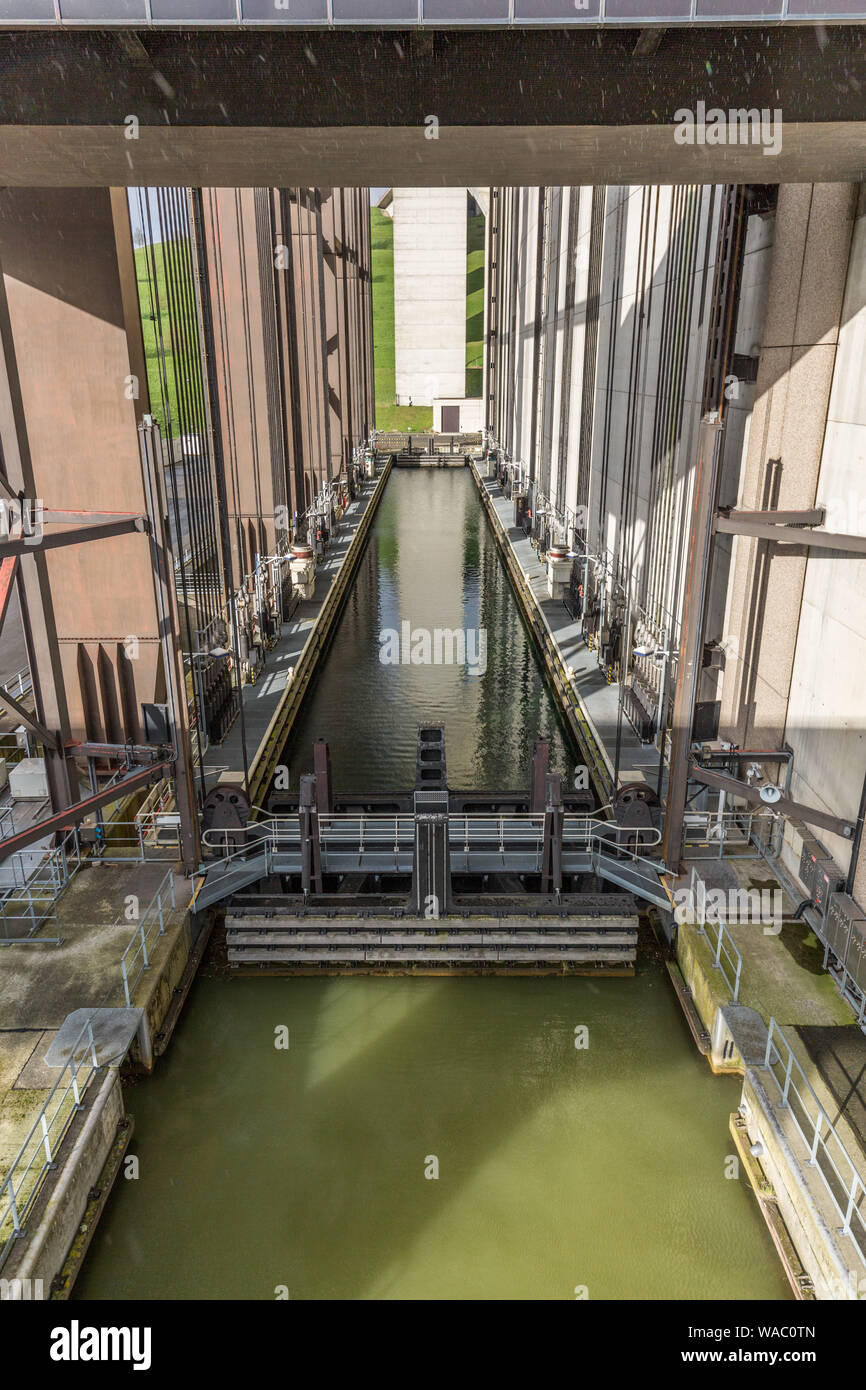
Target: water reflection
431, 562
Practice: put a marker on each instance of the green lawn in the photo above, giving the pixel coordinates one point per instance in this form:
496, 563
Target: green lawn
185, 363
417, 417
475, 305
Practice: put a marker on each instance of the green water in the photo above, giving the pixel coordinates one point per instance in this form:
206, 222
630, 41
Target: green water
558, 1168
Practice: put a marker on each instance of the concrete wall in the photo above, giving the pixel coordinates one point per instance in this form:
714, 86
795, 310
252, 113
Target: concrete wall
599, 331
811, 240
810, 1218
826, 715
471, 413
599, 309
70, 340
237, 240
289, 274
429, 293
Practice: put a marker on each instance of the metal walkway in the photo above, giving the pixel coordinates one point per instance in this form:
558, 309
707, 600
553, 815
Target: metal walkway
386, 844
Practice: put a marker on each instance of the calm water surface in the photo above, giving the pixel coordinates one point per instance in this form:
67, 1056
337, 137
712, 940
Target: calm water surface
558, 1167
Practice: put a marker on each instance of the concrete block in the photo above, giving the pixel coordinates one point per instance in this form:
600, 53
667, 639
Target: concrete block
28, 780
304, 577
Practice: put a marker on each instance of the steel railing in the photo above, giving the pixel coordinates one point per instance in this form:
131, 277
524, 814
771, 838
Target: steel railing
374, 833
731, 834
826, 1151
37, 1154
125, 842
20, 684
726, 958
13, 753
277, 832
156, 822
151, 925
39, 877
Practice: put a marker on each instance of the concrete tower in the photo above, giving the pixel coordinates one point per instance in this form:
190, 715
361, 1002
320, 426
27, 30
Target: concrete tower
429, 293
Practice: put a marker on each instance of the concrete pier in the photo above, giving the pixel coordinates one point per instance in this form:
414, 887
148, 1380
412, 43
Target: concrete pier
590, 704
40, 987
271, 705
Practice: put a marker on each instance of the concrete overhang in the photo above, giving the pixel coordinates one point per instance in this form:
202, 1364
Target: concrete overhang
352, 156
525, 106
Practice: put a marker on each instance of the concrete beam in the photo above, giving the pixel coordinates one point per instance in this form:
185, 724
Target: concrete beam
812, 239
815, 517
467, 155
64, 320
8, 571
529, 106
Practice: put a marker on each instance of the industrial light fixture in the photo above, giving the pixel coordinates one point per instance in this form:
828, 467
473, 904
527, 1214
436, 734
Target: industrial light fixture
657, 653
770, 793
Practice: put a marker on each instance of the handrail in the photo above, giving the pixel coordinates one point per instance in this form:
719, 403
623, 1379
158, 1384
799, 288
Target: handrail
725, 949
843, 1192
153, 914
45, 1137
272, 833
19, 683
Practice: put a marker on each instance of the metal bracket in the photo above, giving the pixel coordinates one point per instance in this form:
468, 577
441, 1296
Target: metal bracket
742, 524
787, 807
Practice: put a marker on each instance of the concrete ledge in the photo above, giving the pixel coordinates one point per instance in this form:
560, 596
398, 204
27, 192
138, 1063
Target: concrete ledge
798, 1278
292, 698
57, 1213
63, 1283
812, 1222
693, 1019
570, 704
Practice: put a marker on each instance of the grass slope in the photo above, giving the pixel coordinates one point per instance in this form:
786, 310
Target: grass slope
182, 363
474, 305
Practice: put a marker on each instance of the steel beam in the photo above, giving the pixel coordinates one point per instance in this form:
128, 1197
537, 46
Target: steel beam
790, 535
540, 763
815, 517
34, 586
79, 535
141, 752
311, 846
72, 815
796, 809
8, 571
691, 639
150, 448
27, 718
86, 516
322, 772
